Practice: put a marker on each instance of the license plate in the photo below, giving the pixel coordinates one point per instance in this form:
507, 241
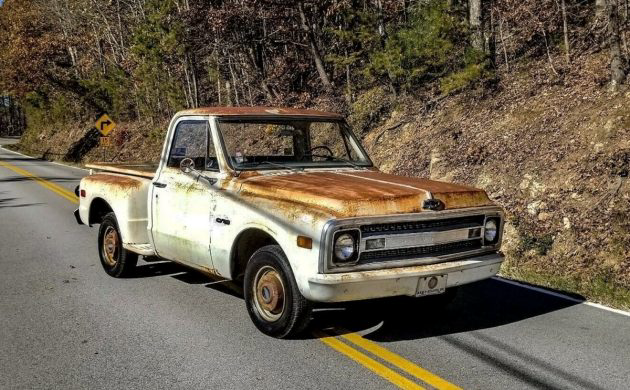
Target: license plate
431, 285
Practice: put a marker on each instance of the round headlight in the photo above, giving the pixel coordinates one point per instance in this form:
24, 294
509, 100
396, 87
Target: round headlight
490, 231
344, 247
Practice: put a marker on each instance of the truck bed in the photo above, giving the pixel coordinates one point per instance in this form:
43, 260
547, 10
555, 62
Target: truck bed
146, 169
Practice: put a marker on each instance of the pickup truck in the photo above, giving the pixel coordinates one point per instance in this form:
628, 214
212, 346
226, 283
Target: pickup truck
288, 203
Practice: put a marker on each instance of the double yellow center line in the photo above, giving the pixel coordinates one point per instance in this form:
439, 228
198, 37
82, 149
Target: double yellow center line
405, 366
69, 195
343, 341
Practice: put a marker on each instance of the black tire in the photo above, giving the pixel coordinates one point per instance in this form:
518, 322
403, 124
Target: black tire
295, 314
116, 261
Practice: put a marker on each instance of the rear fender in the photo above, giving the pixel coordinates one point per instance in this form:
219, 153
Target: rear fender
124, 195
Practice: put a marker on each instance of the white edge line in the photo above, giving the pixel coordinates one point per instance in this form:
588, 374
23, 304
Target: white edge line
555, 294
51, 162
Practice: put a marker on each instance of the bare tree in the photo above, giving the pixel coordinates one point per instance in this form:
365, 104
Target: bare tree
475, 13
565, 29
617, 63
317, 57
600, 9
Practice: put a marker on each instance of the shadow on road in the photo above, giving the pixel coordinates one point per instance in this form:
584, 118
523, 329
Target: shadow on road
21, 159
15, 179
480, 305
9, 203
156, 267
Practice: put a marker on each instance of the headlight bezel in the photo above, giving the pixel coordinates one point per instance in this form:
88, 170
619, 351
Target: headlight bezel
356, 237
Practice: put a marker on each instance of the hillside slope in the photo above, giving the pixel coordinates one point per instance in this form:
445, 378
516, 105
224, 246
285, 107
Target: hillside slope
555, 153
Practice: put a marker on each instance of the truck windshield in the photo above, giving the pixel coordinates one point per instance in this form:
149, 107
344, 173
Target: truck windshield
291, 144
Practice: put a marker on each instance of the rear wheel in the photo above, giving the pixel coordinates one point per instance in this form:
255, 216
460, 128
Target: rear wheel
117, 261
272, 297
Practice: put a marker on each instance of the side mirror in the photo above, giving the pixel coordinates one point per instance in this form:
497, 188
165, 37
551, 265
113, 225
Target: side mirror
187, 165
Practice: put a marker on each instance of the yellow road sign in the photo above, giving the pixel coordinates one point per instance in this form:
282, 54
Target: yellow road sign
106, 142
105, 125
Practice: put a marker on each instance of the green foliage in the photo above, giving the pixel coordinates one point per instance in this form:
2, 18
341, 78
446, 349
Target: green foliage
111, 91
540, 244
461, 79
157, 43
368, 108
356, 41
430, 48
48, 111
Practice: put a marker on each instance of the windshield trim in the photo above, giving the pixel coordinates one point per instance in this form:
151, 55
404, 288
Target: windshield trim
333, 164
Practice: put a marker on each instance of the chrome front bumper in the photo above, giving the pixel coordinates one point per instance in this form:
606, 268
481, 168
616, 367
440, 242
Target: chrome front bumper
352, 286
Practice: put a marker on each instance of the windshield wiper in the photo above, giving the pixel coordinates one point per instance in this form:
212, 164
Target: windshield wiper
339, 159
281, 166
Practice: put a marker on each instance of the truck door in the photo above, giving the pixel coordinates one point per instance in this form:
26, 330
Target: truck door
183, 203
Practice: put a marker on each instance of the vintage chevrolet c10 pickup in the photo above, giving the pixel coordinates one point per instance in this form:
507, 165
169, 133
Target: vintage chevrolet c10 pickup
288, 202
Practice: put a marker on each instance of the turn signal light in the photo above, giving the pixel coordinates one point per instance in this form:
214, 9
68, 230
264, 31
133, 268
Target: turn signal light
305, 242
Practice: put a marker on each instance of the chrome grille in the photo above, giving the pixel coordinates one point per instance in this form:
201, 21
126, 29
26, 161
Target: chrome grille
422, 226
421, 239
419, 252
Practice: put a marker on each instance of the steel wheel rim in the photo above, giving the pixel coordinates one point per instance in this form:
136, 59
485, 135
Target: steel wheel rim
110, 246
269, 294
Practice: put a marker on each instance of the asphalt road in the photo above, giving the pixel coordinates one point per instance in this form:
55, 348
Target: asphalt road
65, 324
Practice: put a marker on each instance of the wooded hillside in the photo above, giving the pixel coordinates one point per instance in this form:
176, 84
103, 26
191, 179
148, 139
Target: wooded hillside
527, 99
150, 58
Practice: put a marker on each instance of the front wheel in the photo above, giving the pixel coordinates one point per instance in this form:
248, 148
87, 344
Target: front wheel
117, 261
272, 297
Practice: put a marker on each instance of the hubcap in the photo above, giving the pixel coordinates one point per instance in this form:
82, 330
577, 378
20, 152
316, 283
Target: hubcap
269, 294
110, 246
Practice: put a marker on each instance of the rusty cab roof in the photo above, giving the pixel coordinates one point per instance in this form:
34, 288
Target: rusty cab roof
259, 112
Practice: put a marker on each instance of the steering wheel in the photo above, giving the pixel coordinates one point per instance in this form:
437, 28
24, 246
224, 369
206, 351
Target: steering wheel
326, 148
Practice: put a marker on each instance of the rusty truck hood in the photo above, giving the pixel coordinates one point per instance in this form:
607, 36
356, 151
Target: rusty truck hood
359, 193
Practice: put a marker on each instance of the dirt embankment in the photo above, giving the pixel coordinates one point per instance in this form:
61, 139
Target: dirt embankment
555, 153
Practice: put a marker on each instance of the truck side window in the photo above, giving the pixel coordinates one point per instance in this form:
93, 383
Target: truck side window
191, 141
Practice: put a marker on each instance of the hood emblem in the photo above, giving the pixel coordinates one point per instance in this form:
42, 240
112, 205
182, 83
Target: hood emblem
433, 204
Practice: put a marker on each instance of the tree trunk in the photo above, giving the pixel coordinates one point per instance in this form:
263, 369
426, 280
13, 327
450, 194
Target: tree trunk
617, 66
505, 55
565, 28
310, 36
490, 35
381, 22
236, 100
600, 9
476, 23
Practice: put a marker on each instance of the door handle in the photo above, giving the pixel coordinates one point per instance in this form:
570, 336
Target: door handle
159, 185
223, 221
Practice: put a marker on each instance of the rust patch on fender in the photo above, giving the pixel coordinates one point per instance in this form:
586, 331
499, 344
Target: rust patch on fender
119, 182
459, 200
